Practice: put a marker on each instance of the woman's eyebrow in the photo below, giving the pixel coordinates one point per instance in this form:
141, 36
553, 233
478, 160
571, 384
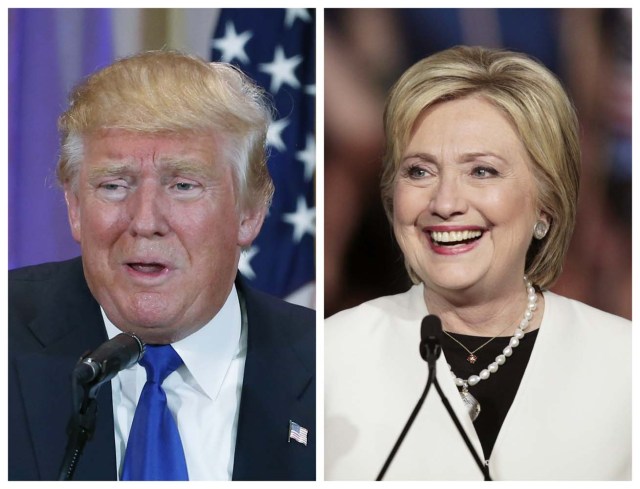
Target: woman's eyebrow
482, 154
426, 157
469, 156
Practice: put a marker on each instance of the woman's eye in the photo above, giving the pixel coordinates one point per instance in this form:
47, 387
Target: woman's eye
484, 172
416, 172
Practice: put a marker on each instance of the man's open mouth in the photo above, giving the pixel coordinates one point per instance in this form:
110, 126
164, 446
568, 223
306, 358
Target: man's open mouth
147, 267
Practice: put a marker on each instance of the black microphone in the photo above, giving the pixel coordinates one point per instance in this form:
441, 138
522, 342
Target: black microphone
108, 359
90, 373
430, 338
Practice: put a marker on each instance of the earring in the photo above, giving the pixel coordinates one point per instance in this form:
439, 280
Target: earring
540, 229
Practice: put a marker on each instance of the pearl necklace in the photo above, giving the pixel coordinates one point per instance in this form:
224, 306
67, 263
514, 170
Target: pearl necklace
471, 403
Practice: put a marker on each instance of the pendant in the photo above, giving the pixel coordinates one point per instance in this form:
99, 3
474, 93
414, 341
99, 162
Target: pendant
472, 358
471, 403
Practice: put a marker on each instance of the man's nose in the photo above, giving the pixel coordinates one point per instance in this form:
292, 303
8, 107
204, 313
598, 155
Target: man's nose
148, 210
448, 198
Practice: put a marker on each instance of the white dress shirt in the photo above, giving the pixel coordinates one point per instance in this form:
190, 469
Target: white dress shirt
203, 394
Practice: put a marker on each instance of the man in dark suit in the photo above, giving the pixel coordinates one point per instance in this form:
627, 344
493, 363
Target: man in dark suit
164, 172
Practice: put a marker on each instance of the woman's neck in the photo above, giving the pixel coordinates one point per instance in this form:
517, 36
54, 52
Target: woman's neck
481, 315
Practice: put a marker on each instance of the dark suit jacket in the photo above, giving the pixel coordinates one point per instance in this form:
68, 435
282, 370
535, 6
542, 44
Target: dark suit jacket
54, 319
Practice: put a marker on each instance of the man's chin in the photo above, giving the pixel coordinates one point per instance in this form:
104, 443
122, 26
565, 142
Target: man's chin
157, 334
153, 329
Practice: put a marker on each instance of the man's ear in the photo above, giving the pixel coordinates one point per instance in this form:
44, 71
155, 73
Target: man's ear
73, 210
250, 225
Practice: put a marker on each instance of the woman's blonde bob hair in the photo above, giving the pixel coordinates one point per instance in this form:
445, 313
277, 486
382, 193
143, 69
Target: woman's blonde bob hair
170, 92
533, 100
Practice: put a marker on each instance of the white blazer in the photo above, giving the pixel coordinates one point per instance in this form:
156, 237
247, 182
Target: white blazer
570, 419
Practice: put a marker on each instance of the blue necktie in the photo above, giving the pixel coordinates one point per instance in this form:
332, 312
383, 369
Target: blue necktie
154, 450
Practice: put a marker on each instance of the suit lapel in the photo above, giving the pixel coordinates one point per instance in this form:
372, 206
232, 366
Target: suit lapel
277, 386
44, 376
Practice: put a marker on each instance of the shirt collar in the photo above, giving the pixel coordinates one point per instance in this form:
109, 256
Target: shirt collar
208, 352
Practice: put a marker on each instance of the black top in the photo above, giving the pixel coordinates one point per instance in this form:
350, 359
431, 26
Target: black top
496, 394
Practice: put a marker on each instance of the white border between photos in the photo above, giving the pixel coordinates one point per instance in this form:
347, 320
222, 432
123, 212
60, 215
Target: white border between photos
319, 5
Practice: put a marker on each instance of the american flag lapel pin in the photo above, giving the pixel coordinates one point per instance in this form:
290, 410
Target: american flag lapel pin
297, 433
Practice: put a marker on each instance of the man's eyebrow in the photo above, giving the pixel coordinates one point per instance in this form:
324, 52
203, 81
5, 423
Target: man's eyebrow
187, 166
110, 170
173, 166
183, 164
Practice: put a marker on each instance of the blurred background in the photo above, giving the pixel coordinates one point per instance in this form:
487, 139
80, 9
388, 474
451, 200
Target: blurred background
366, 50
51, 50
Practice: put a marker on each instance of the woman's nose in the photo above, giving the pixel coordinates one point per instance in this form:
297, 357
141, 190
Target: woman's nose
448, 198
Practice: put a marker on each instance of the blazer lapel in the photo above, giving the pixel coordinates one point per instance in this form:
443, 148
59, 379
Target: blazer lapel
277, 387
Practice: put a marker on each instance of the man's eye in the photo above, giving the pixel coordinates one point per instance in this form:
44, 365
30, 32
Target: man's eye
113, 190
184, 186
111, 186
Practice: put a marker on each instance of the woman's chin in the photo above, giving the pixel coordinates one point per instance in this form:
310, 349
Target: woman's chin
453, 280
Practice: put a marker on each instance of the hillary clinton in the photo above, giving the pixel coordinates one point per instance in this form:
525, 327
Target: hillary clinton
480, 184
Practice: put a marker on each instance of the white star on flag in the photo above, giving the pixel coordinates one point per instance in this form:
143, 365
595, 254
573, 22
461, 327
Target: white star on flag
274, 134
281, 70
244, 265
232, 44
296, 13
280, 45
308, 157
303, 220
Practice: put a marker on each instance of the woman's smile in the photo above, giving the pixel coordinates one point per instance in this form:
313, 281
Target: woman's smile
465, 198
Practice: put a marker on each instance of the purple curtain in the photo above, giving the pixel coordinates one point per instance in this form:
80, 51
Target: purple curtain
50, 50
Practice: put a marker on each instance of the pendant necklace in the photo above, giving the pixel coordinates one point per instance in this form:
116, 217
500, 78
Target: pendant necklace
472, 358
471, 403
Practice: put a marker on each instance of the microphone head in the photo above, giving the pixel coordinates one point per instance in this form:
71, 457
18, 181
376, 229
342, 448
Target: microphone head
431, 329
101, 365
430, 337
139, 345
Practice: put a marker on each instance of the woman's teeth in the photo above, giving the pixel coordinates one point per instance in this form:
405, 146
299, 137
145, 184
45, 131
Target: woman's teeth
454, 237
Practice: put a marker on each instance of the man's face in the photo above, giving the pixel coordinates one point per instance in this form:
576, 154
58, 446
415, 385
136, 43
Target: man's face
159, 228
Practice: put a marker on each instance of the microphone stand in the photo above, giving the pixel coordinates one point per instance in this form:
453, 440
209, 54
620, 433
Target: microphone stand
81, 424
431, 356
430, 379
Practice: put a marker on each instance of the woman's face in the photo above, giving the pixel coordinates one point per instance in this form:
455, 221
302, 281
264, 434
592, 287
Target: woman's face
464, 202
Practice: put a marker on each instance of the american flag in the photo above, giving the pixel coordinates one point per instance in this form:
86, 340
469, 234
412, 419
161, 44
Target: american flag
297, 433
276, 48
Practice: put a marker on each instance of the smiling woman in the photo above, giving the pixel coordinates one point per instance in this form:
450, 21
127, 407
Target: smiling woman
480, 184
473, 175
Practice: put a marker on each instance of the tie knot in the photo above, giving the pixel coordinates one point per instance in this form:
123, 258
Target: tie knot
159, 361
